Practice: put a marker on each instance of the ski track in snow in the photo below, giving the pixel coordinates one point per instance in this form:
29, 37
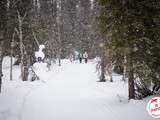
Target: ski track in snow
74, 94
69, 92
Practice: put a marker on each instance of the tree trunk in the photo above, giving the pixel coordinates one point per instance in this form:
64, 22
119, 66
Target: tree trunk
1, 60
59, 31
131, 76
3, 12
24, 68
102, 64
59, 57
124, 68
111, 78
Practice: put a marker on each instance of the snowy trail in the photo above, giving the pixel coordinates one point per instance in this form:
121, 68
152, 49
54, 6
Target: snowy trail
74, 95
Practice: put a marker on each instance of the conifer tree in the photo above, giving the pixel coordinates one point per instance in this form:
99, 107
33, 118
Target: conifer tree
134, 29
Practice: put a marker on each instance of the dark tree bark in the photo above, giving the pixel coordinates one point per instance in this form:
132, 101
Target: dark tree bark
3, 7
102, 64
25, 39
1, 60
131, 87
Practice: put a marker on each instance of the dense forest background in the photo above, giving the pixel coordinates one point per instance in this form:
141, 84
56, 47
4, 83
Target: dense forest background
124, 34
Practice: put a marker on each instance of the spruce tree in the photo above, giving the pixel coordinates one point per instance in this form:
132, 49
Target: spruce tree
134, 30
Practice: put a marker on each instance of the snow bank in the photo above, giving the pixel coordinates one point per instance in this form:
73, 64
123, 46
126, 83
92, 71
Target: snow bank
69, 92
7, 62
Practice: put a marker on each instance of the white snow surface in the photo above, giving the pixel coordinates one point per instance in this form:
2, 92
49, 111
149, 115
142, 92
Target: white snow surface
40, 69
69, 92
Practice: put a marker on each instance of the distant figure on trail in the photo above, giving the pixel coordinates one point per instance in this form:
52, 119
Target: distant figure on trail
71, 57
80, 56
85, 56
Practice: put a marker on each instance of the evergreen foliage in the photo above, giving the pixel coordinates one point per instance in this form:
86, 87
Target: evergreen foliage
134, 27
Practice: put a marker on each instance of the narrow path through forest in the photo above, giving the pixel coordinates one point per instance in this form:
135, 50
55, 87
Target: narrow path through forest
72, 95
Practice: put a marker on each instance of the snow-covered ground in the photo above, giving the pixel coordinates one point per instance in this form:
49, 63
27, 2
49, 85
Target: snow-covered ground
69, 92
